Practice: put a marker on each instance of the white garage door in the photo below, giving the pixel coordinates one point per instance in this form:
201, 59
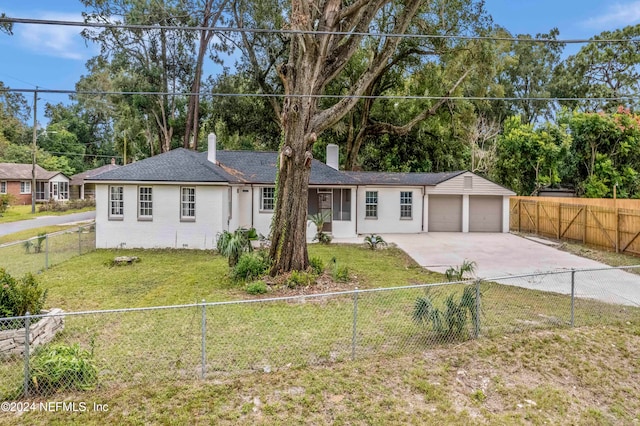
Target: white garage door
485, 214
445, 213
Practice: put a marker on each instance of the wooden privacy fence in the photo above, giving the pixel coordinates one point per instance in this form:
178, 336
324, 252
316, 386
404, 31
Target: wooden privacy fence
604, 223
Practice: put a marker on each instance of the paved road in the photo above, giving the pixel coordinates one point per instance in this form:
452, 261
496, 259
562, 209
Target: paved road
11, 227
505, 255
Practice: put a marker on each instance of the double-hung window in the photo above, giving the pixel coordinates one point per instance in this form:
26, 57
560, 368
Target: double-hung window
25, 187
406, 205
116, 202
3, 187
145, 203
267, 199
188, 203
371, 204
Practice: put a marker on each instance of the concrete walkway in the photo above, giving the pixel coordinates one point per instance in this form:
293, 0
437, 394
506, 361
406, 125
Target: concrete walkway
508, 256
40, 221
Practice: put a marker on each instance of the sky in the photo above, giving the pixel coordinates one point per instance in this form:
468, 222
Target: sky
54, 57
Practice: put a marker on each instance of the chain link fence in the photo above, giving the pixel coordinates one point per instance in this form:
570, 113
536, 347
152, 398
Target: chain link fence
104, 349
41, 252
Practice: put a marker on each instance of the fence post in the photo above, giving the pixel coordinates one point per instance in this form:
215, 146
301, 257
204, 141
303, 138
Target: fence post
204, 340
476, 323
573, 295
46, 252
27, 325
355, 324
79, 240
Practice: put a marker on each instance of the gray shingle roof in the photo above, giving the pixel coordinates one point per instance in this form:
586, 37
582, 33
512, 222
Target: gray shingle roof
15, 171
409, 179
79, 178
178, 165
257, 167
260, 167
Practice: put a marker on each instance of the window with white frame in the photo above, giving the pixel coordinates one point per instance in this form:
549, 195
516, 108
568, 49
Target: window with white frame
406, 205
371, 204
25, 187
64, 190
116, 202
3, 187
188, 203
267, 199
145, 202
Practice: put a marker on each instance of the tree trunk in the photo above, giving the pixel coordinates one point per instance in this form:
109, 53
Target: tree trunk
289, 226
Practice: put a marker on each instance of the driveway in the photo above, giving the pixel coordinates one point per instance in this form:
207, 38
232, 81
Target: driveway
37, 222
507, 255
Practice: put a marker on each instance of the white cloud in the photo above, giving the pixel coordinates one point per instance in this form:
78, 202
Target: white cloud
617, 15
54, 40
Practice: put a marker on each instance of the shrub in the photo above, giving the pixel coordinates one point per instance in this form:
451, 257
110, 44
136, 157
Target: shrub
318, 220
61, 368
5, 202
457, 274
450, 322
339, 273
233, 244
250, 266
257, 287
373, 241
317, 265
17, 297
298, 278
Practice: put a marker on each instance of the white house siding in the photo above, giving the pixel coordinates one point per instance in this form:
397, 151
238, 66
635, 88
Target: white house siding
165, 229
479, 186
388, 220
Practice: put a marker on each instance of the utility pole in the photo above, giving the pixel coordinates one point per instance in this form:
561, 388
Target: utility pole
33, 149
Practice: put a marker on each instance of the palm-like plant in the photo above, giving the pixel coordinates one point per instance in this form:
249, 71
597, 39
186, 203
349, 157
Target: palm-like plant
233, 244
373, 241
457, 274
318, 220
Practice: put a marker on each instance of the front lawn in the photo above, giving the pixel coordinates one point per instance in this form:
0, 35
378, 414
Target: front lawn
289, 361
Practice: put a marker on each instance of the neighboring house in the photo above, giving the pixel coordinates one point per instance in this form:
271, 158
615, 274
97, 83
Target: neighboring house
184, 199
80, 190
16, 179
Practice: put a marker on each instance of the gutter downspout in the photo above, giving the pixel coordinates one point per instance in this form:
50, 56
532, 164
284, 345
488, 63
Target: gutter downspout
356, 203
424, 191
252, 225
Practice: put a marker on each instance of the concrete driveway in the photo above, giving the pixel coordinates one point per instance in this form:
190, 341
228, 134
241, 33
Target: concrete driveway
505, 255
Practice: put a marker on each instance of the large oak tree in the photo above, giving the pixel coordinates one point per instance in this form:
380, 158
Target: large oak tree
326, 34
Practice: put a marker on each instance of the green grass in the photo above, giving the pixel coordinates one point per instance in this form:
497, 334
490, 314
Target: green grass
65, 243
17, 213
34, 232
289, 362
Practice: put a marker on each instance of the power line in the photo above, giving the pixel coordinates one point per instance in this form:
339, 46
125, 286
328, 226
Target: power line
293, 32
280, 95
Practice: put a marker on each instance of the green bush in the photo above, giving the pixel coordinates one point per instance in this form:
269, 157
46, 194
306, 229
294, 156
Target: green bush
233, 244
257, 287
299, 278
17, 297
339, 273
450, 322
5, 202
373, 241
250, 266
317, 265
61, 368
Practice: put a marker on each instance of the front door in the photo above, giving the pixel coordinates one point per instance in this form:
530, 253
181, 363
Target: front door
325, 203
54, 190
